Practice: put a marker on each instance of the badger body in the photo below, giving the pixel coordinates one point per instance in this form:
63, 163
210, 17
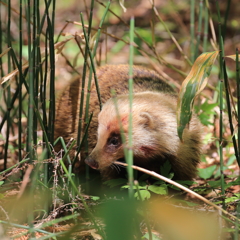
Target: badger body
154, 130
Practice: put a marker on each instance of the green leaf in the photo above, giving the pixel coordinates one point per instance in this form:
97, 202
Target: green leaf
205, 119
166, 168
215, 184
191, 87
207, 112
143, 177
154, 237
231, 199
231, 160
218, 172
206, 173
228, 200
145, 194
190, 204
234, 183
115, 182
162, 190
186, 183
208, 107
95, 198
134, 187
145, 34
117, 47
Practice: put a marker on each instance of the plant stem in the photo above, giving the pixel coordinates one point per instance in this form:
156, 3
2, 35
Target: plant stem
130, 120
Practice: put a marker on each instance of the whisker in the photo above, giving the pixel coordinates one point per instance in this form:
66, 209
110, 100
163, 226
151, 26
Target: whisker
116, 167
119, 166
112, 166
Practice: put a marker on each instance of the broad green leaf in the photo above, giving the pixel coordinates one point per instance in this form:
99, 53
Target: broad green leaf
206, 173
192, 86
231, 160
166, 168
145, 194
218, 172
215, 184
162, 190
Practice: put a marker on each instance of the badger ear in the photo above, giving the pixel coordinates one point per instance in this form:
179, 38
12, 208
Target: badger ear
147, 120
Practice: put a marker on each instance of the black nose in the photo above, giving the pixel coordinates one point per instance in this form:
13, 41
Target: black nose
91, 162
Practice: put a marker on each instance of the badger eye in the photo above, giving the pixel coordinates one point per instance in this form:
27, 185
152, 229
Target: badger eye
114, 140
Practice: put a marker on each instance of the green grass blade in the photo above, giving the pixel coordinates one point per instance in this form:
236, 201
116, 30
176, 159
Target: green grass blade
226, 83
199, 28
129, 158
205, 36
221, 45
192, 29
238, 97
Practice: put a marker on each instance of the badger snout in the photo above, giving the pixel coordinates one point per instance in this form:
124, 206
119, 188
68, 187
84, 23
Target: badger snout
91, 162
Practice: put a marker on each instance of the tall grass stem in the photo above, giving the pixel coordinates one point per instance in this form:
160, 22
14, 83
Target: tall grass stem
199, 31
92, 64
192, 29
82, 95
226, 19
238, 101
20, 86
220, 40
130, 119
29, 148
230, 111
205, 35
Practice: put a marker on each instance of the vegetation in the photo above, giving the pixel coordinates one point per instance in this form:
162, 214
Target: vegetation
41, 49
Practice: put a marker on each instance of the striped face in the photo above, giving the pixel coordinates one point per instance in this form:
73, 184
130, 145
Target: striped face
109, 146
151, 136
